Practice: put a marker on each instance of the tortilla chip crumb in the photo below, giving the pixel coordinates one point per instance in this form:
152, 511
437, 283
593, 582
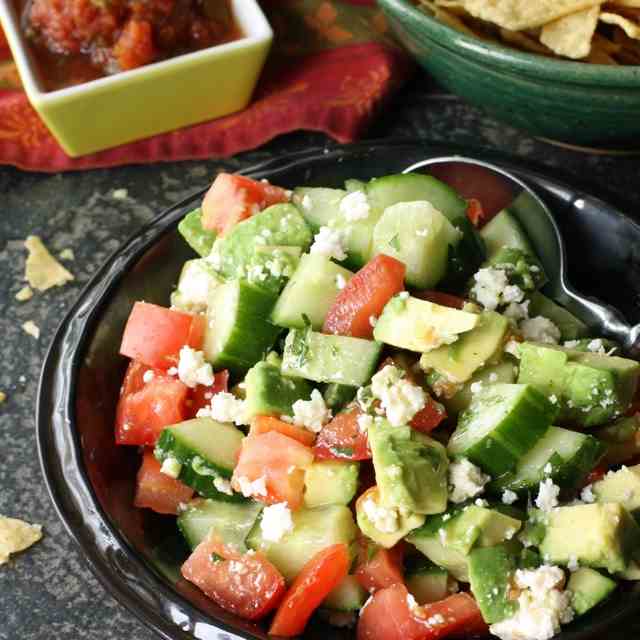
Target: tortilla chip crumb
31, 328
26, 293
3, 396
16, 535
120, 194
67, 254
42, 270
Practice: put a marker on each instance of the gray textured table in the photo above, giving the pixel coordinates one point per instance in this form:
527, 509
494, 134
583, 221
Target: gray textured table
48, 592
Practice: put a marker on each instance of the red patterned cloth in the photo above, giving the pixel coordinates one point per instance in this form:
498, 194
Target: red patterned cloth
333, 65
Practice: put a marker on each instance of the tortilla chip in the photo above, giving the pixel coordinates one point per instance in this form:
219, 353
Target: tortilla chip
447, 17
3, 396
571, 36
517, 15
31, 328
630, 28
16, 535
42, 270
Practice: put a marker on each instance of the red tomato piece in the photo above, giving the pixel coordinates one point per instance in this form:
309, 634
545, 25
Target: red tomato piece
279, 460
246, 585
364, 297
443, 299
430, 417
264, 424
475, 212
378, 567
233, 198
201, 396
154, 335
145, 409
134, 47
342, 439
158, 491
323, 573
595, 475
389, 617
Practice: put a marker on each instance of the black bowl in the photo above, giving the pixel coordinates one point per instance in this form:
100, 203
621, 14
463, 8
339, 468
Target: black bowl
135, 553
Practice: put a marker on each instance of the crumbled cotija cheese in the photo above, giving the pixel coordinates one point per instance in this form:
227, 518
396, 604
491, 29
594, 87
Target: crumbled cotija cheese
193, 369
547, 495
383, 519
489, 286
399, 398
328, 242
223, 485
540, 329
355, 206
311, 414
509, 497
276, 522
225, 407
465, 480
248, 488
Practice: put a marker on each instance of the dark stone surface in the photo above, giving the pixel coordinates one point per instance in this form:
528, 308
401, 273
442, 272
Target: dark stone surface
48, 592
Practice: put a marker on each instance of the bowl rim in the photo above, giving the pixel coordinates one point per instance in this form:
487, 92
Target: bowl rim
108, 554
509, 58
248, 13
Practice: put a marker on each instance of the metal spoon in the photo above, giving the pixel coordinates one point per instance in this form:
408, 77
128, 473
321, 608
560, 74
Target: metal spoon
505, 190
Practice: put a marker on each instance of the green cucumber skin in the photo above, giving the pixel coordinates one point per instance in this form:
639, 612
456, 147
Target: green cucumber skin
203, 485
465, 258
199, 239
338, 396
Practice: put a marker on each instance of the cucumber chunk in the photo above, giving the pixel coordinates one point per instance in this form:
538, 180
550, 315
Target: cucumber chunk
197, 237
570, 327
330, 482
503, 422
318, 205
505, 231
338, 396
349, 595
313, 530
310, 292
328, 358
238, 333
228, 520
427, 583
588, 588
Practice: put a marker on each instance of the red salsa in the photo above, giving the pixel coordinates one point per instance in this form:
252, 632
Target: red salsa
75, 41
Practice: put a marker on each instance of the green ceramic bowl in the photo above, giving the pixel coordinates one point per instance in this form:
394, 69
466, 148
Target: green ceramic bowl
153, 99
569, 102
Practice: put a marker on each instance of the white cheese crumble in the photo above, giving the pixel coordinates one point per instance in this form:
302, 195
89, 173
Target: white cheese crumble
571, 344
596, 346
489, 286
225, 407
341, 282
355, 206
373, 321
517, 311
364, 422
306, 202
328, 242
587, 494
148, 376
547, 495
171, 467
193, 369
476, 387
509, 497
573, 565
251, 489
399, 398
223, 485
311, 414
383, 519
276, 522
542, 606
540, 329
465, 480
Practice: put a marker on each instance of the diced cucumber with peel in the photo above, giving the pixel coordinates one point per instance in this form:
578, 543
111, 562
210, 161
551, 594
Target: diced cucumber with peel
229, 521
505, 231
428, 583
330, 482
197, 237
337, 396
588, 588
238, 332
310, 292
328, 358
349, 595
313, 530
503, 422
318, 205
571, 328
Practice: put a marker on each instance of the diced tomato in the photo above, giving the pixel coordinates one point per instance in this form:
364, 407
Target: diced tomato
200, 396
377, 567
596, 474
364, 297
154, 335
247, 585
323, 573
158, 491
389, 617
443, 299
134, 47
430, 417
475, 212
233, 198
278, 459
145, 409
264, 424
342, 438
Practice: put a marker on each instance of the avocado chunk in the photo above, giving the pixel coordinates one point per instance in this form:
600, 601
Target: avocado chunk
480, 346
349, 595
338, 396
197, 237
588, 588
608, 536
330, 482
622, 439
418, 325
269, 393
411, 468
622, 486
385, 526
570, 327
491, 570
523, 269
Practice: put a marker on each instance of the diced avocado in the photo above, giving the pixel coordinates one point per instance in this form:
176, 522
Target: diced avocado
504, 372
503, 422
329, 358
411, 468
503, 230
427, 583
197, 281
270, 267
280, 225
523, 269
313, 530
622, 439
588, 588
349, 595
480, 346
310, 292
418, 325
491, 570
269, 393
622, 486
608, 536
543, 367
382, 531
330, 482
197, 237
571, 328
337, 396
